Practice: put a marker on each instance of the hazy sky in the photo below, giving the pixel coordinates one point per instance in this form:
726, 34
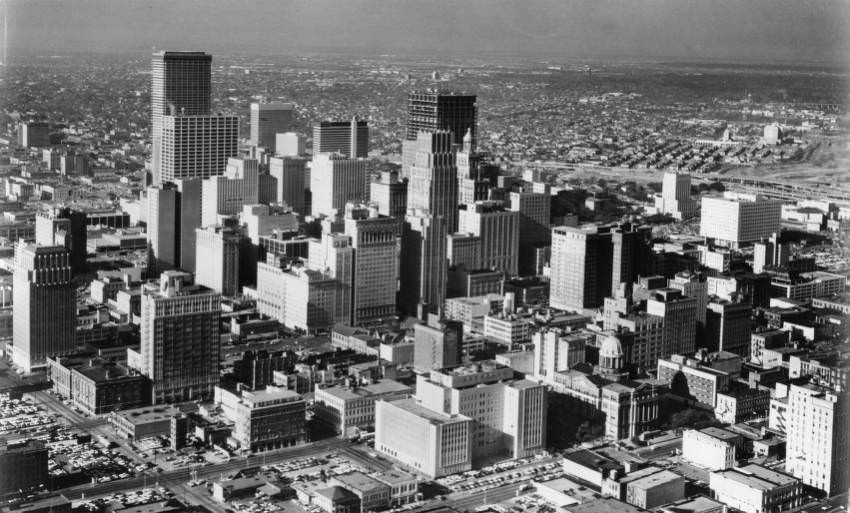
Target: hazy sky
743, 30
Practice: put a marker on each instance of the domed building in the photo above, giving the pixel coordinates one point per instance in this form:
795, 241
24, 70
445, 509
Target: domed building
612, 358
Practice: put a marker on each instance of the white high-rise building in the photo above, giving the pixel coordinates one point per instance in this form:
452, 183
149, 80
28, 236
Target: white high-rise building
675, 198
218, 250
292, 181
44, 305
736, 219
163, 217
334, 256
334, 181
555, 351
297, 296
498, 230
817, 443
432, 184
226, 195
196, 146
290, 144
580, 268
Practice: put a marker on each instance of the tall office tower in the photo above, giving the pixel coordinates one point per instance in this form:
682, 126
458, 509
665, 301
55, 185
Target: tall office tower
475, 176
226, 195
728, 326
630, 254
432, 111
33, 134
377, 245
817, 446
679, 314
289, 144
433, 177
180, 347
534, 207
508, 414
334, 181
556, 351
196, 146
297, 296
269, 119
291, 175
770, 253
64, 227
350, 138
334, 257
180, 84
675, 198
189, 212
162, 229
44, 305
737, 219
218, 249
498, 230
50, 157
390, 194
437, 345
73, 163
580, 268
423, 260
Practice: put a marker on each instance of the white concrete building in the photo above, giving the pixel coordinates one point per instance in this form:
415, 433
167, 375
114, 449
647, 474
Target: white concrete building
334, 181
736, 219
707, 451
756, 489
227, 195
675, 198
217, 251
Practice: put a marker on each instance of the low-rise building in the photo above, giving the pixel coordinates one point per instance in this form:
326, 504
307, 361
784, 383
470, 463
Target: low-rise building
351, 409
705, 450
264, 420
146, 422
373, 493
23, 466
403, 486
655, 490
741, 405
756, 489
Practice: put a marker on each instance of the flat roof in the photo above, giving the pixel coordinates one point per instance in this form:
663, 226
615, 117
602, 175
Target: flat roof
606, 504
694, 505
592, 459
411, 406
658, 478
757, 477
384, 386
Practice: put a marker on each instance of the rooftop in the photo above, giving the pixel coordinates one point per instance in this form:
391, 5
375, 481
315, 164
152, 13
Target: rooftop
413, 407
658, 478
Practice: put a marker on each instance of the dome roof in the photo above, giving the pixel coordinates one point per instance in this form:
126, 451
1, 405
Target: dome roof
610, 348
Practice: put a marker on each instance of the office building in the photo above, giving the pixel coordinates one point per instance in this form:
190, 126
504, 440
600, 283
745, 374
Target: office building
334, 256
44, 305
423, 263
349, 138
180, 346
350, 409
430, 111
534, 210
680, 315
756, 489
817, 448
390, 194
675, 198
33, 134
72, 163
266, 419
97, 387
629, 255
580, 268
427, 442
556, 351
64, 227
290, 144
736, 219
334, 181
630, 408
218, 251
771, 252
195, 146
50, 158
508, 415
297, 296
23, 466
694, 286
728, 326
291, 186
226, 195
742, 405
655, 489
163, 228
268, 120
437, 345
705, 450
377, 245
692, 379
432, 184
498, 231
180, 84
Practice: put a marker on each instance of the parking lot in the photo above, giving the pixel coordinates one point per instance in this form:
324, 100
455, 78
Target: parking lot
120, 500
20, 417
508, 472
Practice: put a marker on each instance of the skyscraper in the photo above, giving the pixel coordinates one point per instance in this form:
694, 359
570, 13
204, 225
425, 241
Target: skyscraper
44, 308
163, 223
630, 255
64, 227
432, 186
269, 119
437, 345
226, 195
180, 84
334, 181
291, 175
675, 198
195, 146
376, 246
580, 268
219, 248
433, 110
350, 138
679, 314
180, 348
390, 194
424, 264
498, 230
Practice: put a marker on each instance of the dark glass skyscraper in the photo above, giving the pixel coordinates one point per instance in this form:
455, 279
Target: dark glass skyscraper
442, 110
